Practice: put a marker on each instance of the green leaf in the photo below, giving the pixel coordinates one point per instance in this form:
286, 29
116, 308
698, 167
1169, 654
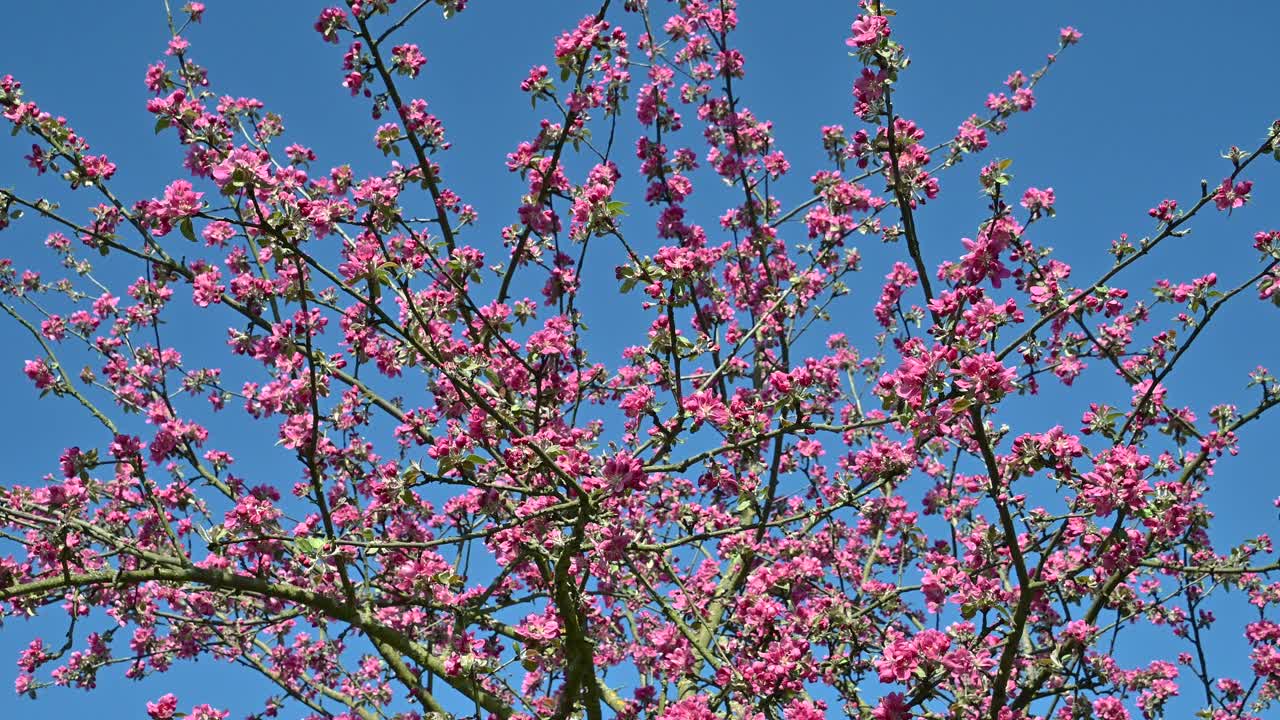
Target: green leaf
309, 545
187, 230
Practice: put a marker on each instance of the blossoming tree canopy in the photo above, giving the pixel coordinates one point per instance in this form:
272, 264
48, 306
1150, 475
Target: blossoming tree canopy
759, 508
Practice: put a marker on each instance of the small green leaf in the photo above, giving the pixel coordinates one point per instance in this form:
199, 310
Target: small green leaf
309, 545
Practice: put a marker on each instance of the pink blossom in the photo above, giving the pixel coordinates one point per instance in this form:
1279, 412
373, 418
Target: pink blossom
1229, 197
1109, 708
1038, 201
408, 59
39, 373
868, 30
331, 20
164, 708
177, 46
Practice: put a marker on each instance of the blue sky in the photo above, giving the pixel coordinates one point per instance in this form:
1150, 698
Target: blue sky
1140, 111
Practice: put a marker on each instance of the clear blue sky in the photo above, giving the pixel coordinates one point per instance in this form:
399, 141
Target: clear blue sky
1139, 111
